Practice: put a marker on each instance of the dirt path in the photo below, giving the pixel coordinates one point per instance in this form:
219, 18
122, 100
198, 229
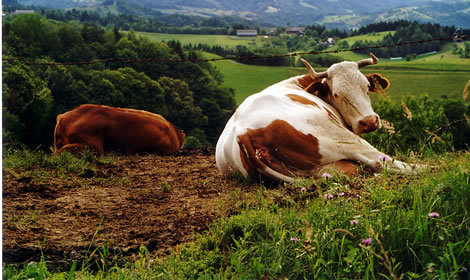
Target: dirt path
146, 200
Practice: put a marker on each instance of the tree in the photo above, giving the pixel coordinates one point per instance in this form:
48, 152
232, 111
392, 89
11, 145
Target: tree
181, 109
27, 103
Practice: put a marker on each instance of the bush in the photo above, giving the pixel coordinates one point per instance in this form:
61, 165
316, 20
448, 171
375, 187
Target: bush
192, 143
417, 125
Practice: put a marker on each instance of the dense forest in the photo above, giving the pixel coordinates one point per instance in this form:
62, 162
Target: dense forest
189, 95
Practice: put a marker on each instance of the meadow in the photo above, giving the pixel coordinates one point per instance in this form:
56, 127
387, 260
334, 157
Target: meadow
222, 40
434, 75
430, 76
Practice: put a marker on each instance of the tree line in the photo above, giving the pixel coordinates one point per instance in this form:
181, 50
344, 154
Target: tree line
406, 31
141, 19
190, 95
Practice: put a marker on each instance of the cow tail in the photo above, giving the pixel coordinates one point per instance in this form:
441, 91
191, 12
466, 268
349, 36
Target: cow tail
254, 164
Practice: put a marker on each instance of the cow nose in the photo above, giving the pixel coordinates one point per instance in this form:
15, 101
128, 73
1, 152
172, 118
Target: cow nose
368, 124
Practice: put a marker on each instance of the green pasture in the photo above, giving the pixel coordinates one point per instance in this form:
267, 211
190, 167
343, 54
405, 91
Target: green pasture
435, 75
367, 37
432, 76
249, 79
222, 40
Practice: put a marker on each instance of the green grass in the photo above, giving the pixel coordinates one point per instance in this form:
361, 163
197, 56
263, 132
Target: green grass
432, 76
249, 79
435, 75
222, 40
367, 37
296, 231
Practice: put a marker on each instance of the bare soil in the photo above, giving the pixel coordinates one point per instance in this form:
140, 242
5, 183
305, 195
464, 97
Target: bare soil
149, 200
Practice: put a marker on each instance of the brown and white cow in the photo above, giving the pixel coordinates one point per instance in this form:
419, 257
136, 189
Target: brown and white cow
104, 128
301, 125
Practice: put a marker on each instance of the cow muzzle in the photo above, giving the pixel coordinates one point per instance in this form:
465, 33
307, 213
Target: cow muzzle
368, 124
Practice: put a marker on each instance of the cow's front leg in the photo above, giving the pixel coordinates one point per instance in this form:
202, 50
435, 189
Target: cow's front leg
377, 162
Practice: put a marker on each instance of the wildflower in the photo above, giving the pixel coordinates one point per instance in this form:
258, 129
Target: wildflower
384, 157
293, 239
307, 242
341, 194
367, 241
303, 189
326, 175
433, 215
329, 196
354, 222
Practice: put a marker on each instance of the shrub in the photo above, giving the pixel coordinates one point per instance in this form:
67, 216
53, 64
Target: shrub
417, 125
192, 143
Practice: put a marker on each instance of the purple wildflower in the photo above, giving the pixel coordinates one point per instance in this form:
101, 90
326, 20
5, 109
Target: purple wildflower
303, 189
433, 215
341, 194
367, 241
354, 222
293, 239
326, 175
329, 196
384, 157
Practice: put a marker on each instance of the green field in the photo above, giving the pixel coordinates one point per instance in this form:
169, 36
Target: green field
222, 40
431, 76
435, 75
367, 37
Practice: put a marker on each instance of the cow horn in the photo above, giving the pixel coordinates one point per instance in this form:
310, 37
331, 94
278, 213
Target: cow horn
312, 72
367, 61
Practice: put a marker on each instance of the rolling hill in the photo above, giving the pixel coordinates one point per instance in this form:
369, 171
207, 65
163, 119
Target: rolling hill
342, 14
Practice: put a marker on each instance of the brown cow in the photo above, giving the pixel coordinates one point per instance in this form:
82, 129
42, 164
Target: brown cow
105, 128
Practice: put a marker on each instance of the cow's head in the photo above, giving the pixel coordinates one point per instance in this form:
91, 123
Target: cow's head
346, 89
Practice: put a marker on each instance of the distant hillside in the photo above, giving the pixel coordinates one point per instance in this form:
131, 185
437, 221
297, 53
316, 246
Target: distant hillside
451, 14
342, 14
125, 14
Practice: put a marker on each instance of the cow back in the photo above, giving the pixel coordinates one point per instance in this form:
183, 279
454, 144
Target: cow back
105, 128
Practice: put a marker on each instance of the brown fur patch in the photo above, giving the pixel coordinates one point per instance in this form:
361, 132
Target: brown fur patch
303, 100
106, 128
305, 81
280, 147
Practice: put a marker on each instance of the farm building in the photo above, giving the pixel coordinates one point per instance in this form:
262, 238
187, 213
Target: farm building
295, 30
247, 32
271, 32
24, 12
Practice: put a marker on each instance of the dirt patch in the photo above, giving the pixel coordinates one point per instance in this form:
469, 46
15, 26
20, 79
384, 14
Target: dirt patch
146, 200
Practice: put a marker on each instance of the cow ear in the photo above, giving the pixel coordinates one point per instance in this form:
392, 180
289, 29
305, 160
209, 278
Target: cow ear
318, 88
377, 83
